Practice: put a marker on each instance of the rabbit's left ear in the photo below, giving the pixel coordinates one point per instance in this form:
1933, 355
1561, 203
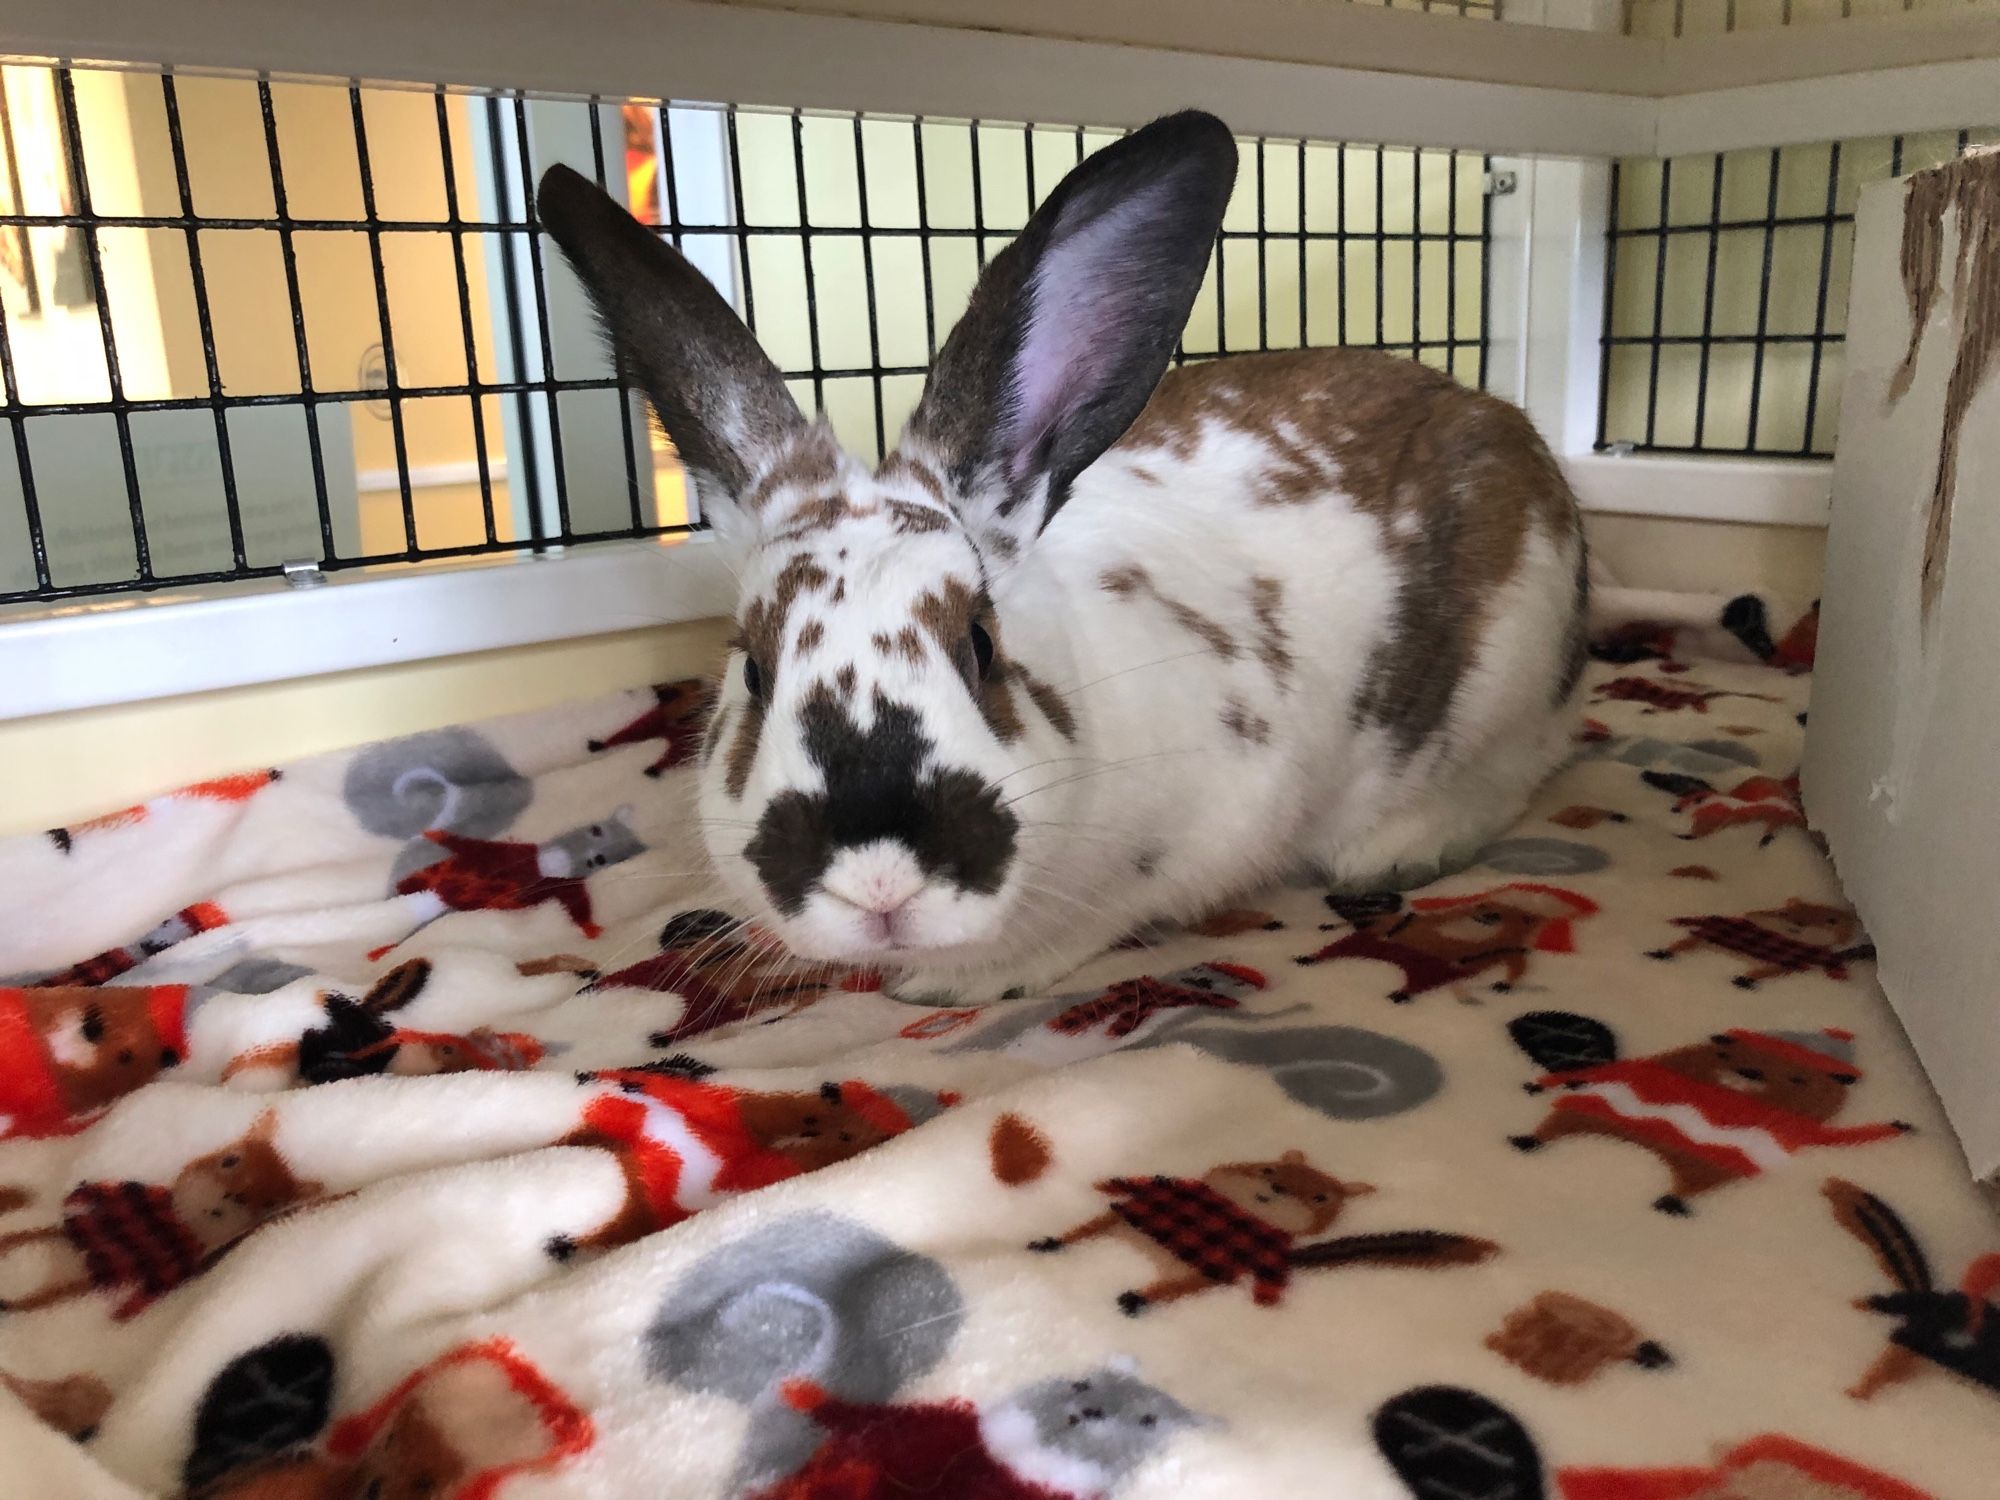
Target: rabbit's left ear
1072, 325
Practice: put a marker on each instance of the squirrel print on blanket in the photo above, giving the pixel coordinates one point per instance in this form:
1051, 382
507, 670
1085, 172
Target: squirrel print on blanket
683, 1143
142, 1240
68, 1053
1719, 1111
1246, 1221
507, 875
1800, 937
1446, 942
1956, 1330
1067, 1438
725, 971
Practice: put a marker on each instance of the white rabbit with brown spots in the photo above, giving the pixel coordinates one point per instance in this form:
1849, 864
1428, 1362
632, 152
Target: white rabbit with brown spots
1100, 643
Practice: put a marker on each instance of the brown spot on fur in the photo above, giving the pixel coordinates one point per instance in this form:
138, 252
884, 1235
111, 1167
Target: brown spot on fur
839, 594
1001, 546
1131, 579
812, 461
1465, 472
845, 677
907, 642
1273, 645
743, 751
716, 730
1143, 474
1055, 708
900, 465
814, 516
917, 520
1238, 719
1123, 581
811, 634
947, 612
763, 629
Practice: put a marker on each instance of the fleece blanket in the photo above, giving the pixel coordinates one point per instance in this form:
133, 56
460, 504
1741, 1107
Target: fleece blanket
414, 1122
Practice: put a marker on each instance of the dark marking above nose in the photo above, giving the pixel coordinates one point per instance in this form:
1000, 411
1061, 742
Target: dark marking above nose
876, 788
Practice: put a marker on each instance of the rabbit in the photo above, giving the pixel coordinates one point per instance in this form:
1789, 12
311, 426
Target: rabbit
1099, 643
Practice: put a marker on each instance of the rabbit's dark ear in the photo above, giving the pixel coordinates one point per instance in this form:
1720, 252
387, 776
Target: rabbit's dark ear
1071, 326
717, 393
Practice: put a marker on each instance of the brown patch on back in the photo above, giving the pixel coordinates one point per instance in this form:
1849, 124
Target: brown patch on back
1273, 645
1240, 721
845, 678
1398, 440
1129, 580
811, 634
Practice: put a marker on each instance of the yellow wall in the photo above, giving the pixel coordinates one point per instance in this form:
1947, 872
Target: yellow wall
64, 767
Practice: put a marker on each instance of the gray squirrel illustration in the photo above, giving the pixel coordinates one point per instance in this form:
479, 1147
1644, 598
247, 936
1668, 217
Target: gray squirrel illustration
450, 793
1343, 1072
812, 1297
443, 780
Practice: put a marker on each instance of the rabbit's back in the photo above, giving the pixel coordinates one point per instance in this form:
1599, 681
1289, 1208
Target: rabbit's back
1369, 577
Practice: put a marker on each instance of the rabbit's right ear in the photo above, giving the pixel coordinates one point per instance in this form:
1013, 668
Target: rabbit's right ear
1072, 325
717, 393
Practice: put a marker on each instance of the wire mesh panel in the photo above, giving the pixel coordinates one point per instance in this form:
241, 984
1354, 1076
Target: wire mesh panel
1719, 17
1726, 293
249, 324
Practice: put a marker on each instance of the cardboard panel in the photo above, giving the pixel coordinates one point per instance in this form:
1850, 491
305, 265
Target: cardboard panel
1905, 718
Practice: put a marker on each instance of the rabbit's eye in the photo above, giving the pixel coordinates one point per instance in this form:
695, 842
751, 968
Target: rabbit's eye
974, 656
753, 678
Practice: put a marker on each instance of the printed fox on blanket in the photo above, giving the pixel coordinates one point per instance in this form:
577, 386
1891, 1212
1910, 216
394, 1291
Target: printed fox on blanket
1758, 801
222, 789
66, 1054
1720, 1111
676, 718
1800, 937
683, 1144
141, 1239
1445, 1442
1444, 942
1244, 1221
457, 1428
